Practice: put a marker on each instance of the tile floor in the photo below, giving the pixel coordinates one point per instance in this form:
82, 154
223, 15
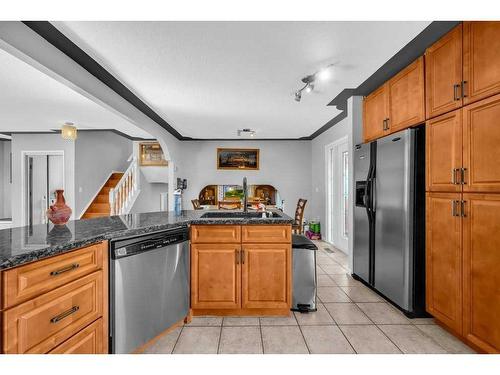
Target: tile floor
350, 319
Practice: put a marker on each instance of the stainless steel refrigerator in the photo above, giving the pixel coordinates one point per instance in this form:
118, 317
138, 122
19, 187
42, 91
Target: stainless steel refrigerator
389, 218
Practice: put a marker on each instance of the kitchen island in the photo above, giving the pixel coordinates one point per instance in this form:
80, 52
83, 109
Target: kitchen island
54, 279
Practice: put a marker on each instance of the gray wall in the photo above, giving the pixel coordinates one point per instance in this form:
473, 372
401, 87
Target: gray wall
149, 197
40, 142
284, 164
5, 203
97, 155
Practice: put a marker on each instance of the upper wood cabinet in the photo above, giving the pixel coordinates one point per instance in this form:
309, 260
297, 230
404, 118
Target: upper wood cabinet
481, 271
443, 74
397, 104
481, 141
444, 259
481, 60
406, 97
215, 276
266, 271
375, 114
444, 152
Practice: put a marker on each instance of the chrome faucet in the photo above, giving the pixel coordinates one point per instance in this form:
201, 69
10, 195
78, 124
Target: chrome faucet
245, 195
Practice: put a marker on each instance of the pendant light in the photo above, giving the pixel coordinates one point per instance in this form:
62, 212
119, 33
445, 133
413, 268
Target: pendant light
68, 131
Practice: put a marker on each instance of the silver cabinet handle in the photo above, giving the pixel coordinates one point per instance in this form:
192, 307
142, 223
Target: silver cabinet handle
454, 176
455, 92
454, 208
464, 89
462, 208
462, 176
65, 269
237, 256
65, 314
242, 256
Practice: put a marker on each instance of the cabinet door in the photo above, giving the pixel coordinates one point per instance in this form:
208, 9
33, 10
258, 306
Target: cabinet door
215, 276
444, 152
88, 341
444, 259
481, 60
266, 272
443, 74
481, 271
406, 97
481, 140
375, 112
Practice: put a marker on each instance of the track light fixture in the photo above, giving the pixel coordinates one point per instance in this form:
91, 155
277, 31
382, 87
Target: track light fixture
320, 75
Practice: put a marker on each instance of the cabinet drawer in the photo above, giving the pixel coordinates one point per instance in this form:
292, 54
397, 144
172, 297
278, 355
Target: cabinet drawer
32, 280
266, 233
215, 234
88, 341
39, 325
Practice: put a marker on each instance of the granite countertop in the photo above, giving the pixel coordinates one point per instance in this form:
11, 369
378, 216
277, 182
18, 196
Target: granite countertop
20, 245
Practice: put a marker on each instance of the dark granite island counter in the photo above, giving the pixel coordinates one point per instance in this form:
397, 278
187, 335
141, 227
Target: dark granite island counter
21, 245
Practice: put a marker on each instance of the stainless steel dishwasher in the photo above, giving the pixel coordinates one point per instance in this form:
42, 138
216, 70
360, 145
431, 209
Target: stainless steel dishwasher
149, 286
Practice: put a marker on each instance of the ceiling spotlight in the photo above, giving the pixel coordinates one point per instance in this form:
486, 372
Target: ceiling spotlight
298, 95
246, 132
309, 80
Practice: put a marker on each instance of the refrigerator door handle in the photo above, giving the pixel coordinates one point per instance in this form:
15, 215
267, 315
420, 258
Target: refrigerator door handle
373, 183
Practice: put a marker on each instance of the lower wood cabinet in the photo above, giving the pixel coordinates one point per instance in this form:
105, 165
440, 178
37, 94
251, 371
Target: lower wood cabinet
89, 340
481, 252
215, 276
247, 277
444, 259
266, 276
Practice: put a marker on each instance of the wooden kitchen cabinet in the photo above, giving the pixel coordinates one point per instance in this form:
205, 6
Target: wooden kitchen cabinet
266, 270
215, 276
406, 97
443, 74
481, 272
444, 152
481, 60
88, 341
251, 276
481, 141
444, 259
375, 114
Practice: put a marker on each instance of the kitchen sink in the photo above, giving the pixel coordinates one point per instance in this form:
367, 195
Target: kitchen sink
237, 215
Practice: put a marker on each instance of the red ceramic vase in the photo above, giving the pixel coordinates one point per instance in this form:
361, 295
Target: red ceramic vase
59, 213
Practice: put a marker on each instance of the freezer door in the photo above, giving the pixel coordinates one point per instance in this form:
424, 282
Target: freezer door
393, 213
361, 250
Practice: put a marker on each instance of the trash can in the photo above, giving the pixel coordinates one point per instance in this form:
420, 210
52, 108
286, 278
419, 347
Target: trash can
304, 274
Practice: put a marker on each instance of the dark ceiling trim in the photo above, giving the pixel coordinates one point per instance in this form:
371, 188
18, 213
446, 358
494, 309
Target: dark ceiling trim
57, 131
401, 59
51, 34
406, 55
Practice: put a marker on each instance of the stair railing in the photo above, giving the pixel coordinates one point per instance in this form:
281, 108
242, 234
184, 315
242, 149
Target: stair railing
122, 196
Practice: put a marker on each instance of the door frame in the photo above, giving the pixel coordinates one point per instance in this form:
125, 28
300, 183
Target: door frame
24, 154
330, 189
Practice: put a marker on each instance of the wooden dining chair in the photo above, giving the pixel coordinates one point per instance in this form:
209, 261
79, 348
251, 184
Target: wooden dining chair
196, 204
229, 205
297, 226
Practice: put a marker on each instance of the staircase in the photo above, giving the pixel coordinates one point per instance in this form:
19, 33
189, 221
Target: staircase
100, 205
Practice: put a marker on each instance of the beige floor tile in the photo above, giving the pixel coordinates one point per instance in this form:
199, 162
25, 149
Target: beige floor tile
368, 339
319, 317
361, 294
279, 320
326, 340
240, 321
332, 294
383, 313
347, 313
409, 339
345, 280
198, 340
205, 321
283, 340
325, 280
326, 261
334, 269
419, 321
319, 271
449, 342
240, 340
165, 344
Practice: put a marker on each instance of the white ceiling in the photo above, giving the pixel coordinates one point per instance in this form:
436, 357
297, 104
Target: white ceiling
31, 101
208, 79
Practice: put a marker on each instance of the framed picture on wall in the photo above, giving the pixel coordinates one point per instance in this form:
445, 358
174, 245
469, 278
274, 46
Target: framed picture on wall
238, 158
151, 154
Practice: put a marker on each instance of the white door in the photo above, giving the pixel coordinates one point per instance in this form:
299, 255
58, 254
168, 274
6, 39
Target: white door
337, 189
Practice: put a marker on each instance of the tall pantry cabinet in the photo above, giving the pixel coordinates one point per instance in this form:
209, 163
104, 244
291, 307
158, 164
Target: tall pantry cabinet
463, 182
